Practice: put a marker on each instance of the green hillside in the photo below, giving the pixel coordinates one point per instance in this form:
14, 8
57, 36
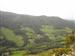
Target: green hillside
25, 35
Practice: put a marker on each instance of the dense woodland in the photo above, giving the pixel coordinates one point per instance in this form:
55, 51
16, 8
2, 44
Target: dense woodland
24, 35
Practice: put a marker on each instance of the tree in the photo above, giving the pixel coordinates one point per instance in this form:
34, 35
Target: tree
70, 39
48, 31
31, 35
11, 36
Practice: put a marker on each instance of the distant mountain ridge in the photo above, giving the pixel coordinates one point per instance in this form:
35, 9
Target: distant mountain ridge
9, 19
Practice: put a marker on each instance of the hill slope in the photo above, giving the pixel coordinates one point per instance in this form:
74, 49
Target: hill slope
12, 20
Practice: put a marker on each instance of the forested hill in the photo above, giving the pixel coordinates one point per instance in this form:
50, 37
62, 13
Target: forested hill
12, 20
34, 34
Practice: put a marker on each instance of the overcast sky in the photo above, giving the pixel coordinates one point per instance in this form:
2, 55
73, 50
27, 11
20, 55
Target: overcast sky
62, 8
